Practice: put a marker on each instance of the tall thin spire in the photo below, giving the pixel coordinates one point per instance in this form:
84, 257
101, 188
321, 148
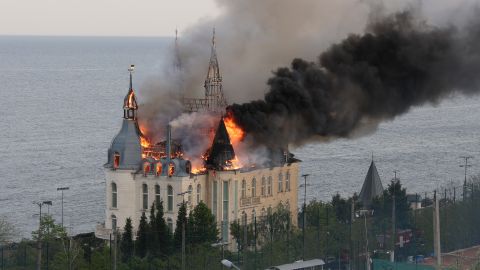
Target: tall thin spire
130, 70
213, 82
177, 61
130, 103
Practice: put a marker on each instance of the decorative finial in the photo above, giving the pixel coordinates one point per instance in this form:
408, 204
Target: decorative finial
372, 156
131, 69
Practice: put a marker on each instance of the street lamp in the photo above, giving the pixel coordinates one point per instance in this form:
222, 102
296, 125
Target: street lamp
39, 240
62, 189
229, 264
304, 214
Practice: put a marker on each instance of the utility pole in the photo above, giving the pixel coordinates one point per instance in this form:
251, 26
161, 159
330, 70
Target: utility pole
62, 189
436, 231
394, 231
183, 227
304, 213
466, 165
39, 240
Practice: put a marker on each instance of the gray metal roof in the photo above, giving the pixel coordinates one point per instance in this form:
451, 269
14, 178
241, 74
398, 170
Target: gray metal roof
299, 265
372, 186
127, 144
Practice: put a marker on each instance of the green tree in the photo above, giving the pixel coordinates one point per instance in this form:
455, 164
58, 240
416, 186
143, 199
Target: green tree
49, 230
162, 233
181, 219
152, 233
126, 243
142, 237
204, 226
6, 230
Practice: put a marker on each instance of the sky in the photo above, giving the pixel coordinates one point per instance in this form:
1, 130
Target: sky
101, 17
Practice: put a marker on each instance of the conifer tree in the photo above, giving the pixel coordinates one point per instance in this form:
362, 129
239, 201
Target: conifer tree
204, 226
126, 244
181, 219
162, 233
152, 233
142, 237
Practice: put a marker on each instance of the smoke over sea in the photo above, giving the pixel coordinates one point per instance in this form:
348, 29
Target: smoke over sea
391, 56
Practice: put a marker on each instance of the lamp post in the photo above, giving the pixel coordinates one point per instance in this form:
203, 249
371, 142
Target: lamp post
62, 189
304, 212
229, 264
39, 240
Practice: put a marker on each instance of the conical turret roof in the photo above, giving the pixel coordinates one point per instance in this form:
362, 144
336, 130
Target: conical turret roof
372, 186
222, 150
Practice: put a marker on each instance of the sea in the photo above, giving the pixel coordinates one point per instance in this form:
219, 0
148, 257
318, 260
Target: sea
61, 105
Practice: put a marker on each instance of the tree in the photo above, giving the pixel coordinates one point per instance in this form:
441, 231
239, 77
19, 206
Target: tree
204, 226
383, 206
126, 244
6, 230
162, 233
181, 220
142, 237
152, 234
49, 230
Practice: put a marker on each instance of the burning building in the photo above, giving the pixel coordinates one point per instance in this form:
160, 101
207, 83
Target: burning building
140, 172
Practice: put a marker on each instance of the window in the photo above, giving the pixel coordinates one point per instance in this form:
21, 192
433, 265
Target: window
114, 195
199, 193
145, 196
263, 214
264, 186
170, 224
114, 222
214, 201
254, 187
244, 188
170, 198
253, 215
188, 167
190, 191
287, 181
146, 168
280, 182
159, 169
171, 169
225, 211
244, 218
116, 160
269, 186
157, 194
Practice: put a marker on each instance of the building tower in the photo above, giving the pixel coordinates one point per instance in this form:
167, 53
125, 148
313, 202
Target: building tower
216, 101
372, 186
125, 152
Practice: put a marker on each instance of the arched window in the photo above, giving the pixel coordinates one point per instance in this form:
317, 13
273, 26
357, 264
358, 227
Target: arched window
264, 185
190, 191
280, 182
254, 187
170, 224
199, 193
157, 194
287, 181
254, 215
171, 169
287, 206
269, 186
170, 198
146, 168
263, 213
114, 222
244, 218
158, 172
145, 196
114, 195
188, 167
244, 188
116, 160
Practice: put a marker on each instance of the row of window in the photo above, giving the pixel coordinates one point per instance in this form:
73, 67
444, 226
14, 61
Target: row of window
145, 203
266, 187
264, 213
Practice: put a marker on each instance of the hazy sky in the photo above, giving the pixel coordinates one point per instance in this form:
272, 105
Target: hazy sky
101, 17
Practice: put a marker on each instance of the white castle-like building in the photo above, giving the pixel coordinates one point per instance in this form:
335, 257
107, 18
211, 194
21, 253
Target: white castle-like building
136, 178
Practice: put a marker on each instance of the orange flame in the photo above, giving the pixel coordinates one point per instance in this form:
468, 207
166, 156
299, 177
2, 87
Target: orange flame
234, 131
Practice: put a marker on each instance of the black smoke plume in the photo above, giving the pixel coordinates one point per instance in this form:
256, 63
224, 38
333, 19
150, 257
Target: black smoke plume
399, 62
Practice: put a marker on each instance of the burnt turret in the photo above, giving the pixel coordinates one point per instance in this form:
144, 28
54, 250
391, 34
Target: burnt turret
221, 153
